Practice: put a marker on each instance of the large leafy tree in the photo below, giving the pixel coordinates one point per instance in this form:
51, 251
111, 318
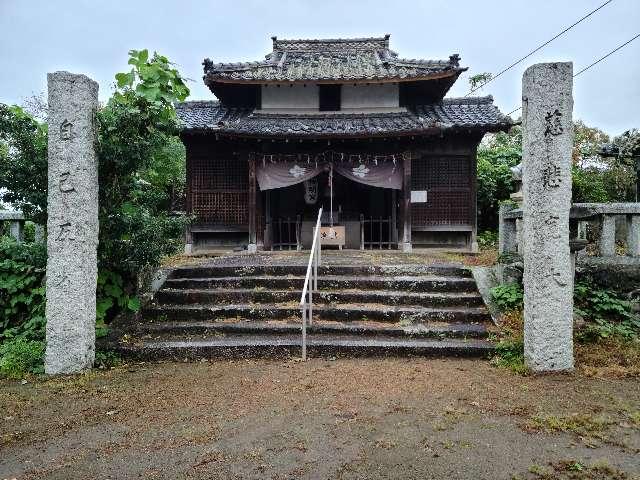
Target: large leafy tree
141, 163
23, 162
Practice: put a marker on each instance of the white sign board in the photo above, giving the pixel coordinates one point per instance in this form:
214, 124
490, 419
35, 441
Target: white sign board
418, 196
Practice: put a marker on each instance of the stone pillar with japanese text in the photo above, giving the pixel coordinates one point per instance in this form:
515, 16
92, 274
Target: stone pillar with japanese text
547, 142
72, 223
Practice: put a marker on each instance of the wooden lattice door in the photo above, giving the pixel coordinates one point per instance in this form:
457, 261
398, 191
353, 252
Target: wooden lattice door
448, 182
220, 191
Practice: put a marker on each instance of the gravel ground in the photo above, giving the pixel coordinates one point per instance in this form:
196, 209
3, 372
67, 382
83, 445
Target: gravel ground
343, 419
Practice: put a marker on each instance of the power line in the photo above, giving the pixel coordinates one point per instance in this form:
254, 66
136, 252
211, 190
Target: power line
538, 48
594, 63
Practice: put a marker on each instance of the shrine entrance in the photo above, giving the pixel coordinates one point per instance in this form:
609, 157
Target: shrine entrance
362, 216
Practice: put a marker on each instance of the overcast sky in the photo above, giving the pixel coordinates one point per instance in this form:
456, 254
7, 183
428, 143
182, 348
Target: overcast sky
93, 37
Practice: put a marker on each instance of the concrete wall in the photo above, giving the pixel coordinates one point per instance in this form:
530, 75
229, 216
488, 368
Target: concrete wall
355, 98
383, 95
290, 96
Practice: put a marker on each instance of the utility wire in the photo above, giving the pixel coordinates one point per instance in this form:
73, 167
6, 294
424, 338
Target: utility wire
594, 63
538, 48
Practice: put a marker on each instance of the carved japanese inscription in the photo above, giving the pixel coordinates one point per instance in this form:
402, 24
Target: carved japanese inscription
546, 178
72, 223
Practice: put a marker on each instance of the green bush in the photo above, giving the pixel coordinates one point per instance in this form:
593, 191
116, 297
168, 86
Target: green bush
509, 354
605, 313
488, 239
22, 289
19, 356
508, 296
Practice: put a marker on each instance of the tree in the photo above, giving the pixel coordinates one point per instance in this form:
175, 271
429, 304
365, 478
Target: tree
476, 82
141, 160
23, 162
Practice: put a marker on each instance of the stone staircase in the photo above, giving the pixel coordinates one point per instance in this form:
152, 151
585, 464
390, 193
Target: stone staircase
249, 306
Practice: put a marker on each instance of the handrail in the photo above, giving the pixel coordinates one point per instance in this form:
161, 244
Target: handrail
306, 299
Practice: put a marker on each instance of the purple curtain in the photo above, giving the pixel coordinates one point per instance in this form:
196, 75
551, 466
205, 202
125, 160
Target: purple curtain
284, 174
382, 174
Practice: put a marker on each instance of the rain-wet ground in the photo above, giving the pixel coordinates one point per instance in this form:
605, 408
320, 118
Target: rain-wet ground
400, 418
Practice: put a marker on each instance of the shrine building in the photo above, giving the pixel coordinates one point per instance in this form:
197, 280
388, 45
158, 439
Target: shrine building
343, 124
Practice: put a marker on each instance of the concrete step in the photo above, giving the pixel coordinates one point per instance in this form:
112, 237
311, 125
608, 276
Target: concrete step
344, 312
294, 326
205, 271
262, 295
331, 282
245, 346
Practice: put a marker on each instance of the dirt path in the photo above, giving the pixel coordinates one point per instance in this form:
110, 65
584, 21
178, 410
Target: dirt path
342, 419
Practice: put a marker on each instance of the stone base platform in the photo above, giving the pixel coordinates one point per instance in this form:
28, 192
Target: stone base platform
368, 304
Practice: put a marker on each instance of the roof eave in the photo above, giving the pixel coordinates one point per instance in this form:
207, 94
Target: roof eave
210, 79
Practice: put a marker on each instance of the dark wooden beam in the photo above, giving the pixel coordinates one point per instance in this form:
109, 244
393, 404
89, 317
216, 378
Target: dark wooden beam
252, 205
474, 200
406, 210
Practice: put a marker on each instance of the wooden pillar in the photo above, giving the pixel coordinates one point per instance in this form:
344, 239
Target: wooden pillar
473, 241
406, 210
268, 234
394, 220
252, 247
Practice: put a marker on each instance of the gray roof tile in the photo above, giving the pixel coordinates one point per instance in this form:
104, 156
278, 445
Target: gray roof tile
330, 60
476, 113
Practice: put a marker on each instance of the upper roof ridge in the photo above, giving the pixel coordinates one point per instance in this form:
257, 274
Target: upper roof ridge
330, 44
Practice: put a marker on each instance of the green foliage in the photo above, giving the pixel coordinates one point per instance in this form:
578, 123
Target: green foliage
587, 142
488, 239
605, 312
22, 290
107, 359
19, 356
589, 186
111, 293
495, 182
23, 162
510, 354
508, 296
141, 165
477, 81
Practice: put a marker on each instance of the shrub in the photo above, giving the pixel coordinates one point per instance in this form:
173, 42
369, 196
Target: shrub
22, 289
508, 296
488, 239
19, 356
605, 313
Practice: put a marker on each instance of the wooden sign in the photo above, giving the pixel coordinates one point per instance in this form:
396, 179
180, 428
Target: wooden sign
332, 236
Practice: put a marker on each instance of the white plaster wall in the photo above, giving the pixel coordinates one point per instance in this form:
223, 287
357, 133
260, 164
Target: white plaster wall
290, 96
383, 95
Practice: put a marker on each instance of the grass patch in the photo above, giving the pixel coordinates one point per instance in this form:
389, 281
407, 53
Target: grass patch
20, 356
510, 348
609, 357
579, 424
575, 470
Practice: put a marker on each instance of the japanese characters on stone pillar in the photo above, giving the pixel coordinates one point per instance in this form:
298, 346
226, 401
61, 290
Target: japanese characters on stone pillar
548, 284
72, 223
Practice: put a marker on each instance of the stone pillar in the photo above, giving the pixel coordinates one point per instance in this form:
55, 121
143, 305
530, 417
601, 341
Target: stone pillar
506, 231
608, 236
72, 223
16, 230
633, 235
38, 233
548, 283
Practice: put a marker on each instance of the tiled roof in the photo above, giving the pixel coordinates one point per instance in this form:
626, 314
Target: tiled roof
475, 113
331, 60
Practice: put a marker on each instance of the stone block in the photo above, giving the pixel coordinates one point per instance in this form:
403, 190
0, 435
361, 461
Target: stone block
633, 235
548, 281
608, 236
72, 223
